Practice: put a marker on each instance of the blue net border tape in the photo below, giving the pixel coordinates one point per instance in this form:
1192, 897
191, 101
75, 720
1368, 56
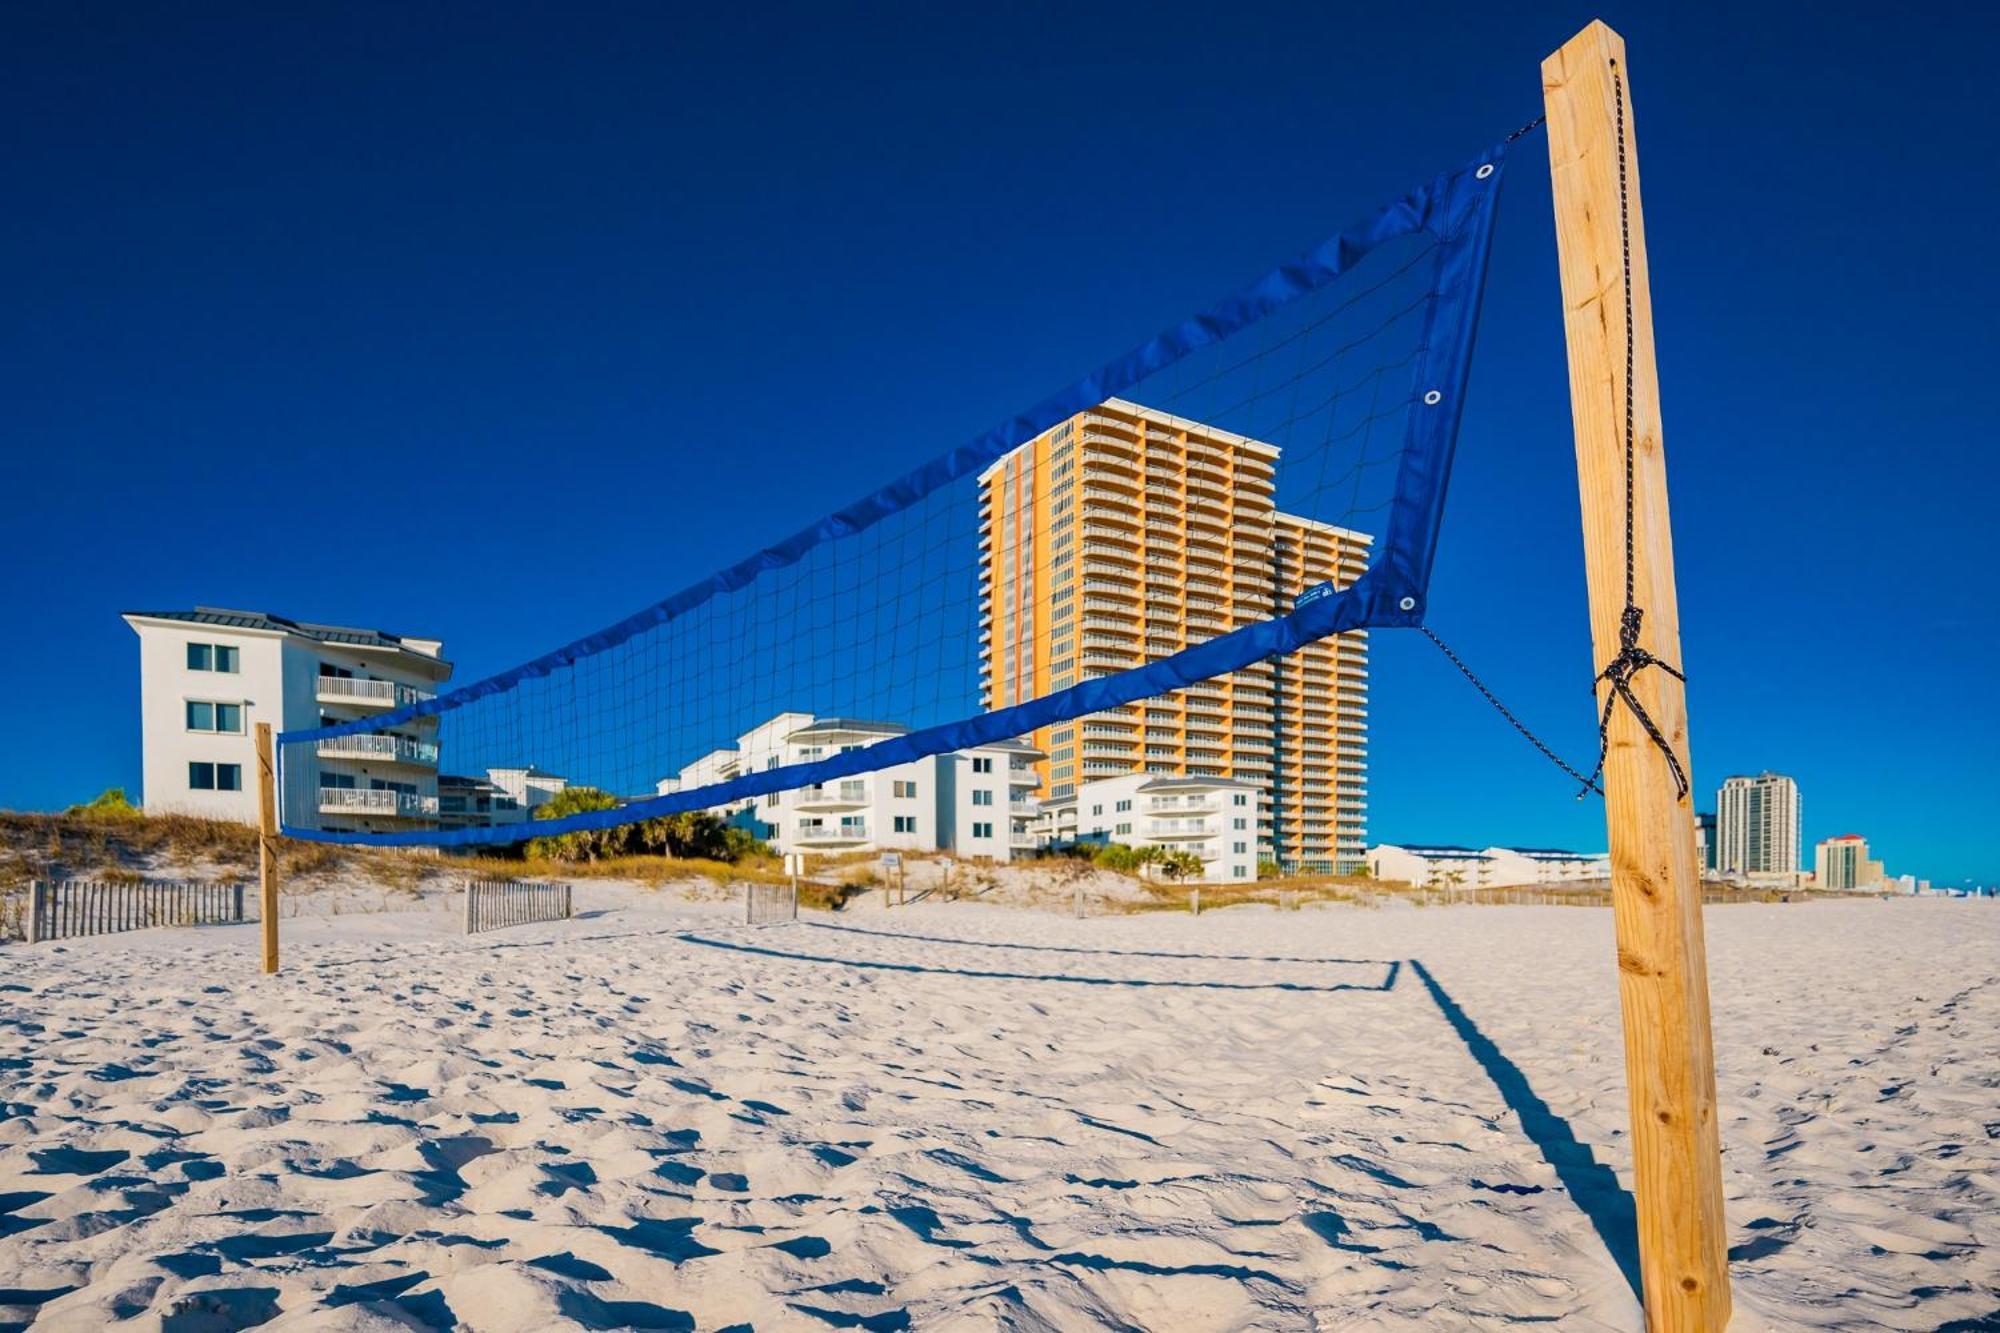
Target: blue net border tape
1457, 207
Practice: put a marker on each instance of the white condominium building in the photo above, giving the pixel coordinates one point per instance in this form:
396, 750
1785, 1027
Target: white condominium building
1757, 826
208, 675
1214, 818
975, 803
1438, 866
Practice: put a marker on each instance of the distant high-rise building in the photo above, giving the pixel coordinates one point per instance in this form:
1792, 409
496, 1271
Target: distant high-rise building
1704, 841
1757, 825
1124, 535
1842, 863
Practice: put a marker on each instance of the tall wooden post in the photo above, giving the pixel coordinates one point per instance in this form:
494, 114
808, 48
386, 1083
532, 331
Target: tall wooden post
267, 845
1656, 893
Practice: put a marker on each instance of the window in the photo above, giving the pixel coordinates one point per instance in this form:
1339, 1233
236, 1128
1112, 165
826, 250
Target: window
205, 716
904, 790
982, 797
1241, 798
1240, 822
1242, 848
1096, 809
1123, 806
906, 823
982, 830
1241, 872
1121, 830
212, 657
215, 777
982, 764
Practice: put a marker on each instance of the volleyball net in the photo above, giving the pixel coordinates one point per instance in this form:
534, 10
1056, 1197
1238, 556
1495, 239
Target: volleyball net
1167, 568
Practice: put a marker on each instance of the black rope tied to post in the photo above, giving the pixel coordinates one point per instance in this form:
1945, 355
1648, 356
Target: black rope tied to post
1632, 657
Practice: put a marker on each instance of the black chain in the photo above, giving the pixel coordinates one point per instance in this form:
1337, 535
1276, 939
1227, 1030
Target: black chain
1589, 783
1532, 125
1631, 659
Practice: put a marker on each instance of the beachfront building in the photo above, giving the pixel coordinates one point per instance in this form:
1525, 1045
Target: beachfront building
1124, 535
1447, 865
502, 796
1757, 826
1842, 863
1431, 865
207, 676
976, 803
1216, 819
1704, 842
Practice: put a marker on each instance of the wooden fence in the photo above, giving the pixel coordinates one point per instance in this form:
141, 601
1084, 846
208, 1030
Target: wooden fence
71, 909
498, 904
766, 904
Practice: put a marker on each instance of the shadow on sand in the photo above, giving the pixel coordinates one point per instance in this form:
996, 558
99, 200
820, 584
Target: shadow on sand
1071, 948
1388, 981
1592, 1184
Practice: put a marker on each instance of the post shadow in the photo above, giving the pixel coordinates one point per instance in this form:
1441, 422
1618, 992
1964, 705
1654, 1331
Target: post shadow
1594, 1186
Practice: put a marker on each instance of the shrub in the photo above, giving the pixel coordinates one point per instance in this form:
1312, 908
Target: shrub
111, 803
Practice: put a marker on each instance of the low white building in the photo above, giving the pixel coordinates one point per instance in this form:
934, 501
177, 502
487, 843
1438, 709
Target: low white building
1213, 817
974, 803
207, 676
1447, 865
1431, 865
502, 796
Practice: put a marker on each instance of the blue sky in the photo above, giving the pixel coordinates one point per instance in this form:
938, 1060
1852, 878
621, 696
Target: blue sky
585, 302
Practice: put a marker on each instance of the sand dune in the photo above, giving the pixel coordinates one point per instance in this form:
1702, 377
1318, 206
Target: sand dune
972, 1118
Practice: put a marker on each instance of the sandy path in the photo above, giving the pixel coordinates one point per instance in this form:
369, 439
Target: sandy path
968, 1118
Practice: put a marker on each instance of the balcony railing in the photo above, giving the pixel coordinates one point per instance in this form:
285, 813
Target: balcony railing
833, 833
389, 804
361, 692
384, 749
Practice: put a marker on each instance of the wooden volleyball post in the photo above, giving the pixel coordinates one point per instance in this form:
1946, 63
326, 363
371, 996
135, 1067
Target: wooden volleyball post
1655, 887
267, 846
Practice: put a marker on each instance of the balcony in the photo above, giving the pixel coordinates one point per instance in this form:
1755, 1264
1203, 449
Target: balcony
825, 835
845, 796
1180, 829
380, 749
377, 804
356, 692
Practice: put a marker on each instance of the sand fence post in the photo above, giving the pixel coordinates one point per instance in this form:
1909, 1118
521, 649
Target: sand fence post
267, 845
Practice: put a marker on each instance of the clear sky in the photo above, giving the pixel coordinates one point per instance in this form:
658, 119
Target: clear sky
495, 323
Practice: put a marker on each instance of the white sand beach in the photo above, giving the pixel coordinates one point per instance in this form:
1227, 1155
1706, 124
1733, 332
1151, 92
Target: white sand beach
960, 1117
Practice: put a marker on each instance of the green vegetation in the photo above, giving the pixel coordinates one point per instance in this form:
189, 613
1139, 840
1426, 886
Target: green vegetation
690, 836
111, 803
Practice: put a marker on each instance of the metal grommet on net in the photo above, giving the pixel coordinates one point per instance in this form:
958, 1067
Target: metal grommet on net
1484, 171
1408, 604
1433, 398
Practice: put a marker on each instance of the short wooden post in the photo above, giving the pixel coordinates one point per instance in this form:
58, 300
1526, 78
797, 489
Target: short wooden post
267, 846
1194, 901
468, 906
1656, 897
37, 894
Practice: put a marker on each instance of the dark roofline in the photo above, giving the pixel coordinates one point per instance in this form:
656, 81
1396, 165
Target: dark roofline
349, 635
